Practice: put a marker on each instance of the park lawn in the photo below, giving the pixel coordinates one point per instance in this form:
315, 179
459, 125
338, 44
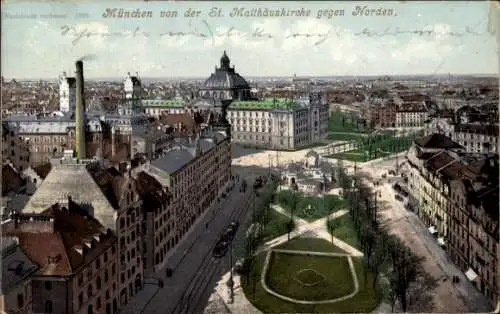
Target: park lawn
335, 124
337, 136
320, 206
277, 225
343, 229
352, 155
310, 244
385, 143
365, 301
330, 277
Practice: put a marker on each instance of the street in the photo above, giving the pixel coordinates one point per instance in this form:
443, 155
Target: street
449, 297
192, 262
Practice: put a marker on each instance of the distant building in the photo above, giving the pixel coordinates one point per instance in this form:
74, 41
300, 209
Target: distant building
382, 115
132, 94
17, 272
67, 93
279, 123
104, 133
411, 115
268, 123
441, 122
477, 137
15, 148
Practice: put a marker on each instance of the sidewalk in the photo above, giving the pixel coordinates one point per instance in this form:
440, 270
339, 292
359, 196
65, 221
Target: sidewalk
473, 299
140, 301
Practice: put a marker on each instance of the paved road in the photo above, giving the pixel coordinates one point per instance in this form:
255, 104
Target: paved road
189, 255
474, 300
194, 265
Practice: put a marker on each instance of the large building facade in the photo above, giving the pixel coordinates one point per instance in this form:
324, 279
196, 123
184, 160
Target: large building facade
284, 124
77, 270
455, 193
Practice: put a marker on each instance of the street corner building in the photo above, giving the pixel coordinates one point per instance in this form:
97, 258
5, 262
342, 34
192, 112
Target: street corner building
60, 260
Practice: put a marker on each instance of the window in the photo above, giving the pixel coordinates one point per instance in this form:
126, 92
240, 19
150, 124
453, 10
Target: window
89, 291
98, 303
20, 300
48, 285
98, 263
106, 276
98, 283
48, 306
80, 299
90, 310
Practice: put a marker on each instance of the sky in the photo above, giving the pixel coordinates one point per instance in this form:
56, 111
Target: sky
41, 40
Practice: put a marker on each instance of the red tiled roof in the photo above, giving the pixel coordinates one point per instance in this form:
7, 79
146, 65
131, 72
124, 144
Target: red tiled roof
40, 246
55, 251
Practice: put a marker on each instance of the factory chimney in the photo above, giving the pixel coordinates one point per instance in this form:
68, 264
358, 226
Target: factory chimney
80, 112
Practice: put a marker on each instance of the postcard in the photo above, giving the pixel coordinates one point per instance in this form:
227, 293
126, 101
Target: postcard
250, 156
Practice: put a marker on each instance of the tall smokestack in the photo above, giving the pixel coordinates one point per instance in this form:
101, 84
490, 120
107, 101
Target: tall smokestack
80, 112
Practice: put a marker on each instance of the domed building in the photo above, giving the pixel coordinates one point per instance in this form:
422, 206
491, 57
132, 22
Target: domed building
225, 83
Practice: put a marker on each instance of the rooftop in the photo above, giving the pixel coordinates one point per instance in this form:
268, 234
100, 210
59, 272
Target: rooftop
16, 266
164, 103
266, 104
74, 180
68, 234
436, 140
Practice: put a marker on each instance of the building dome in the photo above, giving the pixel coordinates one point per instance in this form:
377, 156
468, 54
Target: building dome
225, 77
226, 80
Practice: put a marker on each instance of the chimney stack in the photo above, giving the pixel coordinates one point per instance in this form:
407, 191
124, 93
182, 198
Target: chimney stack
80, 112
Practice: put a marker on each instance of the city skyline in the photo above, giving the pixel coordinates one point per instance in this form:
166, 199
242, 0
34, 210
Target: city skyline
418, 39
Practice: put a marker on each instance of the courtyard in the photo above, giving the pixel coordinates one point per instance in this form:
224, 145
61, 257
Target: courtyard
309, 275
308, 207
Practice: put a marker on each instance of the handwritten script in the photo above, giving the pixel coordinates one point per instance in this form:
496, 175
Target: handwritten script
206, 32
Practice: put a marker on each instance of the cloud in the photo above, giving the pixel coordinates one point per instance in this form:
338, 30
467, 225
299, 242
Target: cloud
264, 46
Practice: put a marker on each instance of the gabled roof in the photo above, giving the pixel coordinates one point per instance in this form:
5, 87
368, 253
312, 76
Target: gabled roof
437, 140
76, 181
11, 180
43, 170
72, 239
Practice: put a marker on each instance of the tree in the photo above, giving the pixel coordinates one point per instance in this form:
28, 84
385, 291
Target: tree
420, 294
293, 207
379, 258
406, 269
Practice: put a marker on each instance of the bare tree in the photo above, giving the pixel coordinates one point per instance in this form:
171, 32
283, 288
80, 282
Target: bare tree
420, 295
406, 269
